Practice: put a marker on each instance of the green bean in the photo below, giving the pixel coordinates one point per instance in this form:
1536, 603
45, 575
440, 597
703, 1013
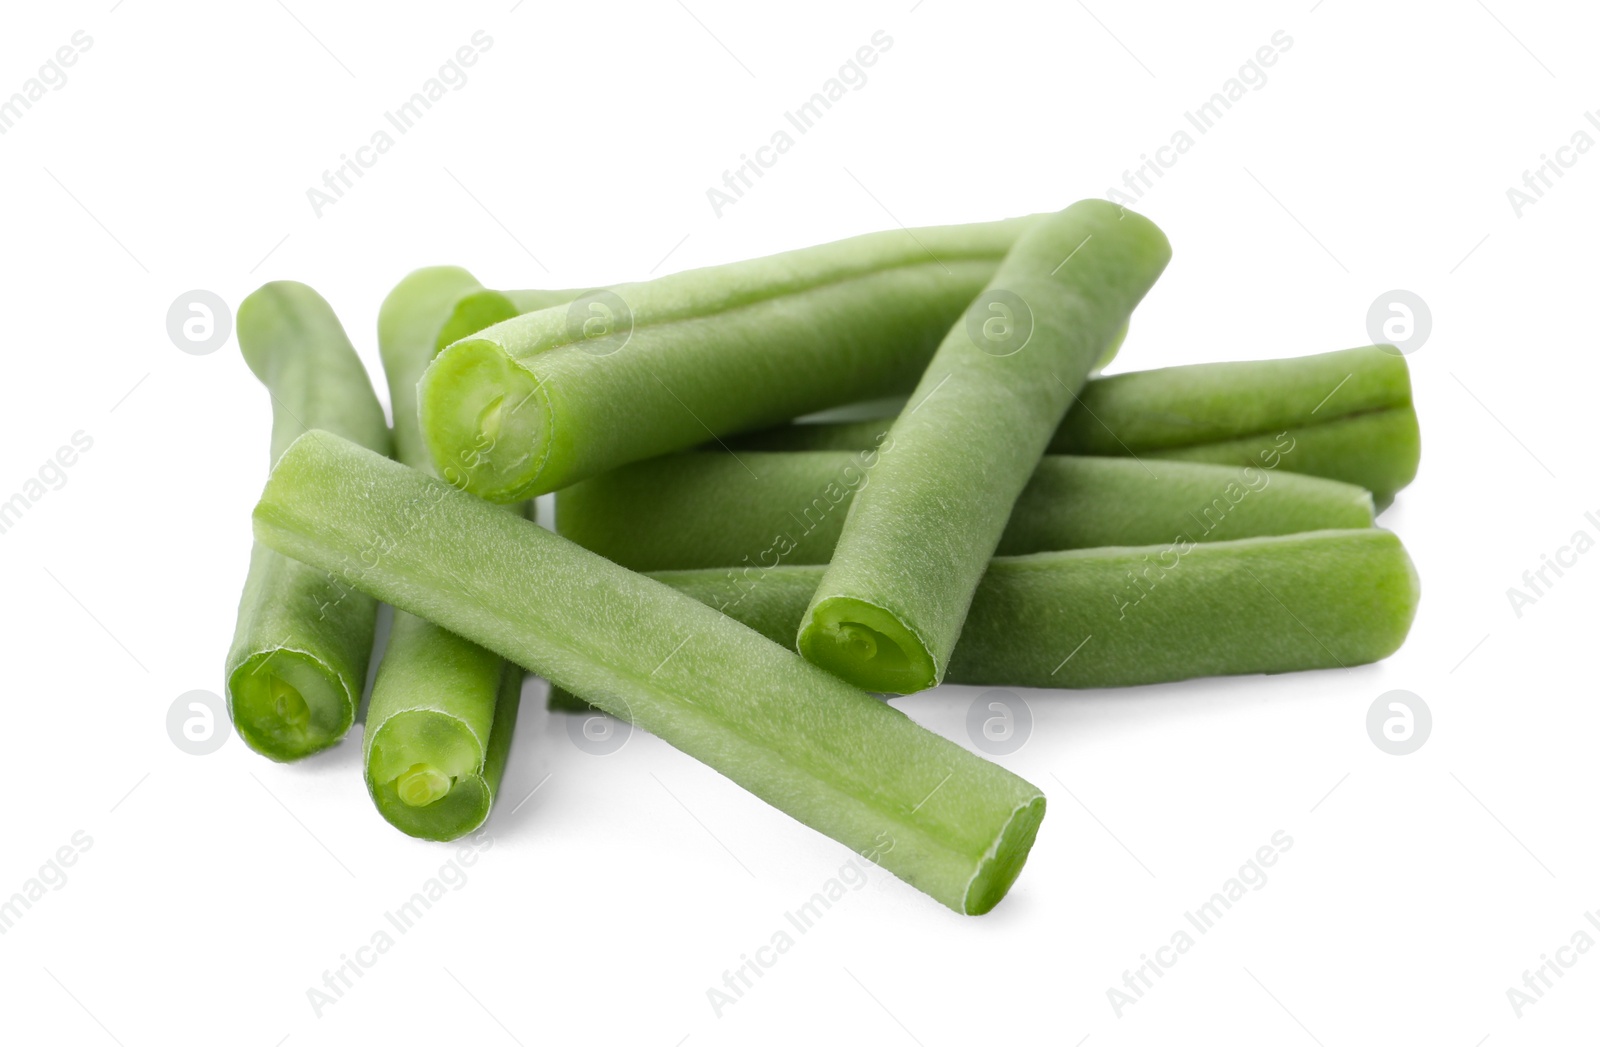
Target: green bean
833, 757
1122, 617
550, 397
890, 606
483, 308
1378, 450
710, 509
1348, 412
433, 768
300, 647
441, 706
411, 320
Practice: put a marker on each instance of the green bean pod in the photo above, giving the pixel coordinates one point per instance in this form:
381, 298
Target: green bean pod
302, 639
438, 729
1121, 617
550, 397
442, 707
833, 757
702, 509
888, 610
1349, 411
1349, 414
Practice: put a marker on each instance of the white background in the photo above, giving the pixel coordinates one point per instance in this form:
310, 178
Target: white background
1377, 155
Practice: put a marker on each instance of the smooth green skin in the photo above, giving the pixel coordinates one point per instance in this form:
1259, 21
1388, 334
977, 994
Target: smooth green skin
529, 405
705, 509
440, 705
1350, 412
835, 758
918, 538
300, 647
1378, 450
1364, 433
1317, 600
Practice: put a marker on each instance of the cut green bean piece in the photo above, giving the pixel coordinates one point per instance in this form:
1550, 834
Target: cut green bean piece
710, 509
1349, 414
832, 757
432, 768
1378, 450
1121, 617
918, 538
441, 705
300, 647
550, 397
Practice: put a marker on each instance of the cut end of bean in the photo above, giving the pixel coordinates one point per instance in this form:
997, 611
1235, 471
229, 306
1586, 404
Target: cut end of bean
421, 785
858, 641
423, 771
1000, 869
867, 646
485, 421
286, 704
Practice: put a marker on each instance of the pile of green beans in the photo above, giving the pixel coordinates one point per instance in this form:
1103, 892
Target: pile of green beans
736, 578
